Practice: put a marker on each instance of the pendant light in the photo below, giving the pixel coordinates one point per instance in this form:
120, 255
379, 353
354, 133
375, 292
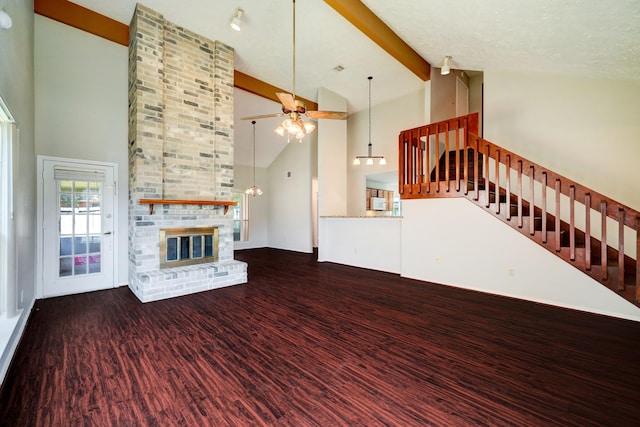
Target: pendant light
253, 190
369, 157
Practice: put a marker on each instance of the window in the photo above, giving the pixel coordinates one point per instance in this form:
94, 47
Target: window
240, 217
7, 256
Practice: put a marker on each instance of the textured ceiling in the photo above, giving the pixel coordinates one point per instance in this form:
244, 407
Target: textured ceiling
585, 38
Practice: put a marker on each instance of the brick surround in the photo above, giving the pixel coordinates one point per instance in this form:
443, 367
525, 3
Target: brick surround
180, 147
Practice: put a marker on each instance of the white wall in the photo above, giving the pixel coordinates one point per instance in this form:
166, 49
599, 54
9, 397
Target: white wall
387, 121
16, 88
258, 205
372, 243
290, 222
332, 156
81, 106
585, 129
453, 242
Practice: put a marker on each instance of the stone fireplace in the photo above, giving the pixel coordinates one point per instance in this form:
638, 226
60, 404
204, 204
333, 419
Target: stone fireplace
180, 160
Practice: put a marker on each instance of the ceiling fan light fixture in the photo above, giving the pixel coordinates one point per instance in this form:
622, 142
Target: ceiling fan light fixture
294, 126
445, 69
236, 22
309, 127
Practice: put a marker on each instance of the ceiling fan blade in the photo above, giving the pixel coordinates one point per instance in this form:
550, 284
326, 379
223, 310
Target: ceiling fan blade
264, 116
287, 100
335, 115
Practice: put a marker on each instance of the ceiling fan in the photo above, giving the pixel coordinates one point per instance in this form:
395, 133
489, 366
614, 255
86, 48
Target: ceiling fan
296, 109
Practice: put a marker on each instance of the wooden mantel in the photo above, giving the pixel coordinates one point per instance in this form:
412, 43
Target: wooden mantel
152, 202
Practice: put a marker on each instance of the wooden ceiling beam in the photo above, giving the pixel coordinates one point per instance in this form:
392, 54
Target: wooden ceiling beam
83, 19
102, 26
264, 89
361, 17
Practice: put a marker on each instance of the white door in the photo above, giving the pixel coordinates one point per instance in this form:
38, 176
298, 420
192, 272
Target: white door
78, 227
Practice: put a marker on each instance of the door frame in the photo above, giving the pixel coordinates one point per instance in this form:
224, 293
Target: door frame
40, 215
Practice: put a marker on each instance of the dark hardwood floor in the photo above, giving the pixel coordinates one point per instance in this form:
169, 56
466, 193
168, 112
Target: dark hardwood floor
320, 344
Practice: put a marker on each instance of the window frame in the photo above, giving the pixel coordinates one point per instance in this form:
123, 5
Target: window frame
7, 166
241, 216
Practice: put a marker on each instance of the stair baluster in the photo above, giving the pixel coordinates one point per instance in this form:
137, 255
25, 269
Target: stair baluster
520, 223
557, 224
587, 232
543, 217
532, 202
572, 223
621, 249
603, 239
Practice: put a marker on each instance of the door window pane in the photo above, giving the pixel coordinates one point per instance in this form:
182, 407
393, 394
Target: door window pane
94, 263
80, 265
80, 226
80, 245
94, 244
66, 266
65, 246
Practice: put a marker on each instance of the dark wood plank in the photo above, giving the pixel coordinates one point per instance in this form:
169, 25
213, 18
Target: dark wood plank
320, 344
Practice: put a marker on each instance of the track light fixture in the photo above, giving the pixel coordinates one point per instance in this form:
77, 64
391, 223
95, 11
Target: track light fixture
236, 22
445, 69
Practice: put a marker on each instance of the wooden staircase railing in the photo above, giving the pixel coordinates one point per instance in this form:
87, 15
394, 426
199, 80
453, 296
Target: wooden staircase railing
585, 228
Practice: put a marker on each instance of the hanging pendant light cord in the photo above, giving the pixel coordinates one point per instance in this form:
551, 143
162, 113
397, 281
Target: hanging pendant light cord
370, 145
294, 50
254, 153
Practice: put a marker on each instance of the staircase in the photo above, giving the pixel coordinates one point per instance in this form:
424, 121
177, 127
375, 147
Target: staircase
595, 234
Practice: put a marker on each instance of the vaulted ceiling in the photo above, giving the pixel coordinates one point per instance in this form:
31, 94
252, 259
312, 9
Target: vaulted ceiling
582, 38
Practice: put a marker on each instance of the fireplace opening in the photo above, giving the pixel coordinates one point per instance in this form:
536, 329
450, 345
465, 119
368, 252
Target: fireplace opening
188, 246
